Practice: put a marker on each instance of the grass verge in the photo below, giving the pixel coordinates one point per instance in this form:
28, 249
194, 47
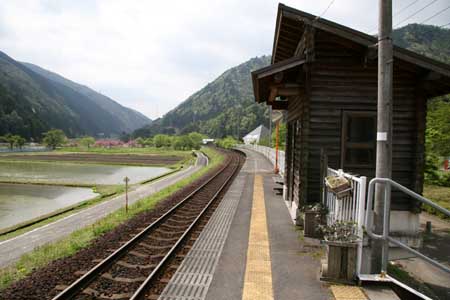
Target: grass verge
396, 271
440, 195
82, 238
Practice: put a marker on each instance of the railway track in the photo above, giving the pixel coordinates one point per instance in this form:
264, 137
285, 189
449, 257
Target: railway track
139, 268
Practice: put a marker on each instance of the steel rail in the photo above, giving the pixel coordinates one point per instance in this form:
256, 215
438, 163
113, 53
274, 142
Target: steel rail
77, 286
141, 291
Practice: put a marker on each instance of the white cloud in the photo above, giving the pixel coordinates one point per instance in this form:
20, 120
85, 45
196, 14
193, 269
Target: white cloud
151, 55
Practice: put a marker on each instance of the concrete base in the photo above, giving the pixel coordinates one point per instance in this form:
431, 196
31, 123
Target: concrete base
293, 210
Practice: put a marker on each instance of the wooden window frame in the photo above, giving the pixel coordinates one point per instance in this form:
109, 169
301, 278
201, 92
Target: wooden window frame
344, 130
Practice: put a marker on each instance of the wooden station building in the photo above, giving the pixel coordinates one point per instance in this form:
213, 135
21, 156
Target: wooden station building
325, 76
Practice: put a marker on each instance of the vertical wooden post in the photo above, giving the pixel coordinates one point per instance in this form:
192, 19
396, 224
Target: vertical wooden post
384, 131
323, 173
126, 179
277, 139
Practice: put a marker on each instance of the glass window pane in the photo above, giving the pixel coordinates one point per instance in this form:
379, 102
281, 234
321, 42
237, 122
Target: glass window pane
360, 129
359, 157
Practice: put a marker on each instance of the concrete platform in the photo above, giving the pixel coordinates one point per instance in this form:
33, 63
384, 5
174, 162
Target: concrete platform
231, 260
11, 250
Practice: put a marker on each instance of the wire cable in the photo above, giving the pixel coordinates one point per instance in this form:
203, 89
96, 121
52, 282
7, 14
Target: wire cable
445, 25
373, 30
326, 9
415, 13
436, 14
405, 8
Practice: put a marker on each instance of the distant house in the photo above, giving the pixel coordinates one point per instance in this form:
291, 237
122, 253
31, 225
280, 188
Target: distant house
255, 136
207, 141
324, 75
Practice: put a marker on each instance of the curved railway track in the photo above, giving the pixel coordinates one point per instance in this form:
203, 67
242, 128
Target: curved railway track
137, 269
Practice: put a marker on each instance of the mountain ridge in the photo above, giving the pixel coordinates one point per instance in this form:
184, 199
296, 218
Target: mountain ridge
31, 103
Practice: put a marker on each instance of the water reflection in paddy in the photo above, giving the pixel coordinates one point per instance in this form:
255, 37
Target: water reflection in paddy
23, 202
76, 173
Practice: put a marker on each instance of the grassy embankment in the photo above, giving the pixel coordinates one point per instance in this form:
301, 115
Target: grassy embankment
83, 238
438, 194
403, 276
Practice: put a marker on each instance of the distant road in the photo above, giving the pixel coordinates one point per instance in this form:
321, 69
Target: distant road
11, 250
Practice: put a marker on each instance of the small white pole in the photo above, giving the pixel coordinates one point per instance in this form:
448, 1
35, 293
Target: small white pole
126, 179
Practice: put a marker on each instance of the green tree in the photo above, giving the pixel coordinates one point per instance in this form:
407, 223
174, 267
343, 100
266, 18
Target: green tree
13, 140
140, 141
87, 141
177, 143
159, 140
20, 141
54, 138
282, 136
227, 143
438, 127
187, 142
196, 139
148, 142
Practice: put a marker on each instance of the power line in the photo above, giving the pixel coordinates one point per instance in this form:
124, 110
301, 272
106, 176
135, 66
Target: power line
415, 13
405, 8
398, 13
436, 14
326, 9
445, 25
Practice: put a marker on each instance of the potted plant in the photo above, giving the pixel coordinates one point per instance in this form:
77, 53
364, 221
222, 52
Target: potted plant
341, 241
314, 217
339, 185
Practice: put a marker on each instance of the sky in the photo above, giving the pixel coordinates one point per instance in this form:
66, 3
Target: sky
152, 55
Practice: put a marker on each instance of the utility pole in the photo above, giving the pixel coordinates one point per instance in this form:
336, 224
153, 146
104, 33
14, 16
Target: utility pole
384, 132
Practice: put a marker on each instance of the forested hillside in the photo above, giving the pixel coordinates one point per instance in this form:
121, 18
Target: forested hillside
31, 104
127, 119
224, 107
427, 40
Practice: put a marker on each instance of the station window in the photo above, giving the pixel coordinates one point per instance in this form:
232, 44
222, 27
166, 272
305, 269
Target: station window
358, 139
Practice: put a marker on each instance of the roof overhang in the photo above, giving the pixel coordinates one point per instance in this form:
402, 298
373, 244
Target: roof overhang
292, 23
289, 17
277, 80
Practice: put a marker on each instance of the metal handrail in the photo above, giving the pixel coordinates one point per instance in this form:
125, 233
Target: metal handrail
385, 236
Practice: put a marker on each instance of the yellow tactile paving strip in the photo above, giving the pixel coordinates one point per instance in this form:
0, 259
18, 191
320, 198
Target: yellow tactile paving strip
346, 292
258, 271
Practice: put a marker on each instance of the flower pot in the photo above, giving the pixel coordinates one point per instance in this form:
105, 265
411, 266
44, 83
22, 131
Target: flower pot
338, 185
312, 220
340, 264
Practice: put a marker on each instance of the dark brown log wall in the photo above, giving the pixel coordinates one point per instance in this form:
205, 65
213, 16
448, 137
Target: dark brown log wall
342, 79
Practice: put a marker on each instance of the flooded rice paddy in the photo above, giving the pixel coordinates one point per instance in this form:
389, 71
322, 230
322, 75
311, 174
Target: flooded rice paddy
23, 202
73, 173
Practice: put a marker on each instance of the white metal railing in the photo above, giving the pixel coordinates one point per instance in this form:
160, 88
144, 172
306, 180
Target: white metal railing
350, 208
270, 153
386, 185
